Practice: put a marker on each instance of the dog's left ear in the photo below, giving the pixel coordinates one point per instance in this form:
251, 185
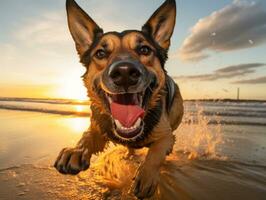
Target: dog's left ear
161, 24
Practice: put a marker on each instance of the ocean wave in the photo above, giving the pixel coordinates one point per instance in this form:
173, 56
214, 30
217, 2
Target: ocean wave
236, 114
87, 114
227, 115
43, 110
49, 101
229, 105
245, 123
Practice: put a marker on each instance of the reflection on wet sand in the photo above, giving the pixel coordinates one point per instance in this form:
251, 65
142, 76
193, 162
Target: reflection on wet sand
76, 125
181, 178
110, 178
27, 137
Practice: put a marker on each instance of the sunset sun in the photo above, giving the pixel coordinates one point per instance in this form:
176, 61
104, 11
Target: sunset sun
71, 87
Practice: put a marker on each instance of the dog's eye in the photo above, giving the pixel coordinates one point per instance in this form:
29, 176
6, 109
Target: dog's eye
100, 54
144, 50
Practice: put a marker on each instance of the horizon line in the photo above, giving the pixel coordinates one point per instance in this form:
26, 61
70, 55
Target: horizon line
2, 98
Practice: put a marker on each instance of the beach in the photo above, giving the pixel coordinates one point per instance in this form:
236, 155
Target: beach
219, 153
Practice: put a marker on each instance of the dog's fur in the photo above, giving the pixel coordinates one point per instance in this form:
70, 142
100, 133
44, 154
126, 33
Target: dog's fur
163, 102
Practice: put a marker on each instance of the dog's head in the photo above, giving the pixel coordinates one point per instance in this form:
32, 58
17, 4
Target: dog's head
125, 74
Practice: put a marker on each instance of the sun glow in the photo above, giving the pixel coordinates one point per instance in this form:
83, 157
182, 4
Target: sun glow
79, 108
72, 88
79, 125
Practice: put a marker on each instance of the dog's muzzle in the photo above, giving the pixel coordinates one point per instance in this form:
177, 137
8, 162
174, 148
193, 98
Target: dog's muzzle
125, 73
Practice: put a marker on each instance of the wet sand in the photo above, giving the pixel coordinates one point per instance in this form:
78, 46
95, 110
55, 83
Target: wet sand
29, 143
110, 178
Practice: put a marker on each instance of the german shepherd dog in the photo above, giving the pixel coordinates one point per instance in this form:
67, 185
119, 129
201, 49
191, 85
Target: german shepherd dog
133, 100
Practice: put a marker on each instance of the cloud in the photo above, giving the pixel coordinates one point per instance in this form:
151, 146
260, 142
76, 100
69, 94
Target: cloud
225, 72
42, 44
49, 32
240, 67
48, 28
259, 80
45, 36
239, 25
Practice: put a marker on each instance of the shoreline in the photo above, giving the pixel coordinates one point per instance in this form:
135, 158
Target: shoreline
86, 102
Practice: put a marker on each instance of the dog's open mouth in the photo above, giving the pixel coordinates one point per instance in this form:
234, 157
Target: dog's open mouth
127, 111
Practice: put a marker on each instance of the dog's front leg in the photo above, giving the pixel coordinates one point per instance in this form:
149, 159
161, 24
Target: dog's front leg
147, 176
74, 160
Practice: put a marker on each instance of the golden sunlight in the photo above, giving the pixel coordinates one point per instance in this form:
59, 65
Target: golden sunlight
77, 124
79, 108
72, 88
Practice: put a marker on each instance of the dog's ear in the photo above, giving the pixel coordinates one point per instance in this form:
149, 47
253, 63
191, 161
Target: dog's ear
161, 24
82, 27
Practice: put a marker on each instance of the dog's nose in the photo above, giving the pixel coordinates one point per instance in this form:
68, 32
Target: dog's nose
124, 74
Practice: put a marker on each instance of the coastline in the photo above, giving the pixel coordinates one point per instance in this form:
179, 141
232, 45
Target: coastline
86, 102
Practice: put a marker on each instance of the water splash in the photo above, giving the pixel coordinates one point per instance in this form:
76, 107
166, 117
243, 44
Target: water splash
197, 138
115, 169
113, 174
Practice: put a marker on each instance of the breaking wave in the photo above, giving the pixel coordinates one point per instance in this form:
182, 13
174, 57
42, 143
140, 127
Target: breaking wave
229, 113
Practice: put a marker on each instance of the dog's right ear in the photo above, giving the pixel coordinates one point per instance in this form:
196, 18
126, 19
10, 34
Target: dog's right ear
82, 27
161, 24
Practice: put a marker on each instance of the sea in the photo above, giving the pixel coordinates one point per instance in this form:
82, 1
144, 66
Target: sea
220, 153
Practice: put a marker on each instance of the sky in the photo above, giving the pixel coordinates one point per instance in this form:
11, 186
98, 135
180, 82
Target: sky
217, 46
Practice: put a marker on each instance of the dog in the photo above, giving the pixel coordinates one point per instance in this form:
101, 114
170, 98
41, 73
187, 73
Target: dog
133, 100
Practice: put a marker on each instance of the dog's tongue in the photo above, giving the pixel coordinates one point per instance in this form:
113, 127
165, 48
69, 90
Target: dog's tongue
127, 115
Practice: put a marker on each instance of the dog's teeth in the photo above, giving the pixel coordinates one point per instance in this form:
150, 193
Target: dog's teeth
118, 124
137, 124
125, 129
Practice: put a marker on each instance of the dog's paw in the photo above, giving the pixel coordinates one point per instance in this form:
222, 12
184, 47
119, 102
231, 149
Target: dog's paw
146, 182
72, 160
